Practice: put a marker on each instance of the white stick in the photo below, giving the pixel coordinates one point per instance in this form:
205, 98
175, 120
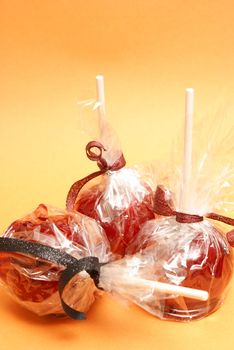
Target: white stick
166, 288
188, 149
100, 95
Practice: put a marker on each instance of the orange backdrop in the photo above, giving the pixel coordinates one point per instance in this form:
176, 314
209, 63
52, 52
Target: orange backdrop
149, 52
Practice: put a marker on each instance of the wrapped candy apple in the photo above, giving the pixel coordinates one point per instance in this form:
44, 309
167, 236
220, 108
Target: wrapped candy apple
121, 200
187, 247
55, 262
31, 267
134, 278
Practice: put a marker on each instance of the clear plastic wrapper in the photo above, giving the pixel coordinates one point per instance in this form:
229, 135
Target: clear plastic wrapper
32, 281
35, 283
121, 202
194, 255
134, 278
121, 199
188, 245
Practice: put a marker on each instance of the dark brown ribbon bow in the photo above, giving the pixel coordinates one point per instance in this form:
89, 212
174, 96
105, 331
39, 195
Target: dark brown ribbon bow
163, 205
103, 166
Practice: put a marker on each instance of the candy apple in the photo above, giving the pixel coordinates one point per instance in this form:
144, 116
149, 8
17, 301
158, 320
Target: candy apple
193, 255
33, 282
121, 203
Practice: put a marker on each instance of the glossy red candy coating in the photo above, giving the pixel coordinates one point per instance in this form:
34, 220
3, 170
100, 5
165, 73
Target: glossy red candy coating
213, 276
121, 225
190, 255
22, 286
31, 279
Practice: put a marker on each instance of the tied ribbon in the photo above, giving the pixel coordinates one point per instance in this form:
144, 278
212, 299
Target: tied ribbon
163, 205
72, 265
103, 166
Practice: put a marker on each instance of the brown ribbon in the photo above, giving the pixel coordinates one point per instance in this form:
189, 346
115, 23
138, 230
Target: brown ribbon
103, 166
163, 205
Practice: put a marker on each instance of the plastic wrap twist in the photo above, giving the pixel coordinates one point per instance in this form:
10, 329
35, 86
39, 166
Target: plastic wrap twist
103, 166
163, 205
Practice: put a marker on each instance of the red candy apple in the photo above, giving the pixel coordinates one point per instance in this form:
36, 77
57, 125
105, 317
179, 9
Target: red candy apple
121, 203
34, 282
191, 255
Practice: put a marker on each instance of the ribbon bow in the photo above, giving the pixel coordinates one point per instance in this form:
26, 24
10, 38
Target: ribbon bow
163, 205
103, 166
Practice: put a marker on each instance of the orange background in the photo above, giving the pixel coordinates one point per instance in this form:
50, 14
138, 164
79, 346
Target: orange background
149, 52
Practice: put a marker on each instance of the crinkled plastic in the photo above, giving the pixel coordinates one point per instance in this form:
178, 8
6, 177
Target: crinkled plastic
121, 200
193, 254
96, 127
33, 282
212, 174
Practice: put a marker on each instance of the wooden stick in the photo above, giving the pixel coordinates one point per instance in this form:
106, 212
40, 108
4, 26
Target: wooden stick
166, 288
188, 150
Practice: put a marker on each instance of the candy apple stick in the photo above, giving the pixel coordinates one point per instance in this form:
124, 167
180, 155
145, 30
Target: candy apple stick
101, 106
100, 96
165, 288
188, 150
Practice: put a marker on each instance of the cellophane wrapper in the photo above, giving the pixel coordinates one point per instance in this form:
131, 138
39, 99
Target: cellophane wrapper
211, 185
127, 280
32, 281
96, 127
121, 201
195, 255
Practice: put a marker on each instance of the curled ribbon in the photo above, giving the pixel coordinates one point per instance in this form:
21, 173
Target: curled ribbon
72, 265
163, 205
103, 166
